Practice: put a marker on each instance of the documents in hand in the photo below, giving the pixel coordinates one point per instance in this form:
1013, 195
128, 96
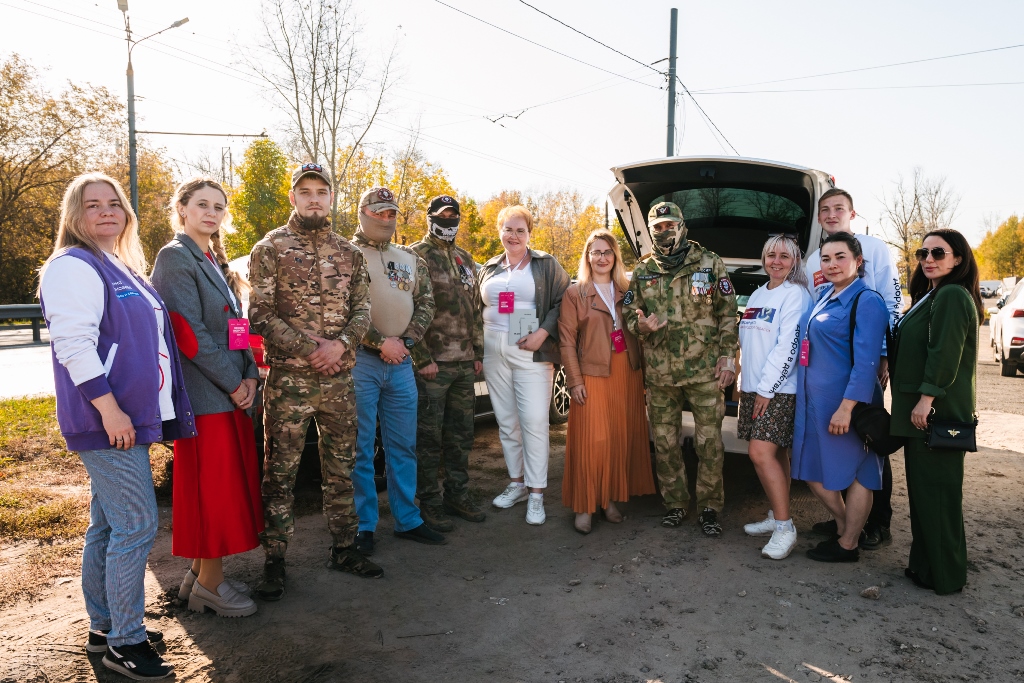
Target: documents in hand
520, 324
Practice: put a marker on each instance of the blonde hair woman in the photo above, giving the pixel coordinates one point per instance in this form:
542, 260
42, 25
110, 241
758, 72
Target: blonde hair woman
521, 291
118, 390
607, 454
218, 509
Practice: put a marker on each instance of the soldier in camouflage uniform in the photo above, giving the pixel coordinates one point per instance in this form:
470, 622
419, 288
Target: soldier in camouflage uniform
310, 302
684, 312
448, 359
401, 308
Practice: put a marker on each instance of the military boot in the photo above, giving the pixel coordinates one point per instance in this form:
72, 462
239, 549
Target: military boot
465, 508
272, 587
433, 515
348, 559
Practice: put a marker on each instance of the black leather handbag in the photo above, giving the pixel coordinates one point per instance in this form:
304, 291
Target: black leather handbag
947, 435
872, 422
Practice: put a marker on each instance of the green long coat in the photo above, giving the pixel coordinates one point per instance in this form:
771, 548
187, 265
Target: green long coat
936, 352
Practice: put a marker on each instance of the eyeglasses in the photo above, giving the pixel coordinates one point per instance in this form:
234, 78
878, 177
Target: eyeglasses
938, 253
316, 168
607, 253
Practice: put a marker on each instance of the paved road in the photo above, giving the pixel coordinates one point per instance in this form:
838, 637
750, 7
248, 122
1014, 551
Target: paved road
25, 368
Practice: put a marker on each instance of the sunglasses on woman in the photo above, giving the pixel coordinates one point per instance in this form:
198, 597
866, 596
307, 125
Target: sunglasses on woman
938, 253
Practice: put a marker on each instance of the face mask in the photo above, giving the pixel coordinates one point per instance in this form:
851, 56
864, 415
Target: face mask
443, 228
376, 229
667, 241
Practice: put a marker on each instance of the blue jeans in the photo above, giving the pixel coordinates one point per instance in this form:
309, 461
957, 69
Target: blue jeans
388, 393
122, 527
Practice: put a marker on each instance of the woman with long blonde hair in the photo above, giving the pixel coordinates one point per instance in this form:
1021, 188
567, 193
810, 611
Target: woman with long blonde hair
118, 389
607, 454
218, 509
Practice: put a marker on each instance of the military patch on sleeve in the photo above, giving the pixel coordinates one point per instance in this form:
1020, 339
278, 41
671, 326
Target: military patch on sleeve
725, 286
647, 277
628, 297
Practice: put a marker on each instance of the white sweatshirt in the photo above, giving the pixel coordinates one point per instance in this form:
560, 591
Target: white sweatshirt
770, 339
880, 274
73, 292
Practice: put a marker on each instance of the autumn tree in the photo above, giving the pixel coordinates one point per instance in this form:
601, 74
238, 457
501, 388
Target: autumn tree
317, 75
260, 202
913, 208
156, 188
1001, 252
46, 139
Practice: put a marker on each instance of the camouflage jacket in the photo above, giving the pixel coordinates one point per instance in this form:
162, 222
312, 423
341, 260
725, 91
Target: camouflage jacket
699, 302
307, 282
422, 293
457, 331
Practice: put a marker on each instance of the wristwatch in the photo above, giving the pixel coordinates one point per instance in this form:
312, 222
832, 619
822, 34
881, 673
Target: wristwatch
409, 342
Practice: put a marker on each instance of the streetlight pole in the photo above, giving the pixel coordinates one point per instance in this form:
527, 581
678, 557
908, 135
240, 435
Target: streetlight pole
133, 160
671, 142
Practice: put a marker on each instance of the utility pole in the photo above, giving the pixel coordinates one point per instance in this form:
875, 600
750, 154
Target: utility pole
671, 146
133, 160
227, 167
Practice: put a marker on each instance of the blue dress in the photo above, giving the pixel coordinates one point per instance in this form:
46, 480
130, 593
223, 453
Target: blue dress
833, 460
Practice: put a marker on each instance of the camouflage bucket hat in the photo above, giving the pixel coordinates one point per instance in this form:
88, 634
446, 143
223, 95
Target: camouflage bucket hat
664, 211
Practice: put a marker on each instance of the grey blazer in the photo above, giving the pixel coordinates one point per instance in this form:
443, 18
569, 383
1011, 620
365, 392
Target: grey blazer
199, 305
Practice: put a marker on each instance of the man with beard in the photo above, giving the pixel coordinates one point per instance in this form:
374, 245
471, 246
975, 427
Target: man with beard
682, 306
310, 301
448, 360
401, 310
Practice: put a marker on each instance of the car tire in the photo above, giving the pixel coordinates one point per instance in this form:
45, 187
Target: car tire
560, 399
1007, 368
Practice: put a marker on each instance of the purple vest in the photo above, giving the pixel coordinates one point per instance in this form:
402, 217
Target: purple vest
128, 346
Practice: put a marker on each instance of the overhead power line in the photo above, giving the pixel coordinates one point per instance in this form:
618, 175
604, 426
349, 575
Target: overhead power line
576, 30
544, 47
705, 115
867, 68
873, 87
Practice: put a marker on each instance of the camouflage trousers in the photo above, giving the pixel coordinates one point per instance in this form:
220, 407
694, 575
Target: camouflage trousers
444, 433
665, 408
290, 400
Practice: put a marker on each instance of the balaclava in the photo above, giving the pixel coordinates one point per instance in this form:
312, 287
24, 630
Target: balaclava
377, 230
443, 228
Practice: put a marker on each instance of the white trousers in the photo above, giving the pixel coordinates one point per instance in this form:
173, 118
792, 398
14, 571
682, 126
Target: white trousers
520, 392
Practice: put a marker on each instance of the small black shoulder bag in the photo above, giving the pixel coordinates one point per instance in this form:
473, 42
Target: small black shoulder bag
949, 435
872, 422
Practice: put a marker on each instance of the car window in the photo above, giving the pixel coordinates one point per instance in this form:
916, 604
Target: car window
736, 222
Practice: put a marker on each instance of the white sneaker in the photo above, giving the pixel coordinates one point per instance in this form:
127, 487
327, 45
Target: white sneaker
535, 509
781, 544
513, 493
762, 528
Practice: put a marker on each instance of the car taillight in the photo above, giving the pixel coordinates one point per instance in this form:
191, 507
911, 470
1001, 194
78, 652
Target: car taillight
1017, 313
1017, 341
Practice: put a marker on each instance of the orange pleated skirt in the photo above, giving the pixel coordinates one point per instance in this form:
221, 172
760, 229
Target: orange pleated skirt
607, 453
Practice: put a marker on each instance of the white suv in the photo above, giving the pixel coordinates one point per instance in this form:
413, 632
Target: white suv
1006, 328
731, 206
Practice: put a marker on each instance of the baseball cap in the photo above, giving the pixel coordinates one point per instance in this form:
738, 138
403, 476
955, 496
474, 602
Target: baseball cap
378, 199
664, 211
442, 202
313, 169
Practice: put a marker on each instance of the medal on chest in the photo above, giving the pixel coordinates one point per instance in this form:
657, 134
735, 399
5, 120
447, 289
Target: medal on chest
701, 286
465, 273
400, 275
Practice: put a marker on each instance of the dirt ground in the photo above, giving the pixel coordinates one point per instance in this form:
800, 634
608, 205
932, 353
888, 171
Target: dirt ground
634, 602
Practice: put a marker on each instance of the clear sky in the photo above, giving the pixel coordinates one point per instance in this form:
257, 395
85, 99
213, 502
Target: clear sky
863, 127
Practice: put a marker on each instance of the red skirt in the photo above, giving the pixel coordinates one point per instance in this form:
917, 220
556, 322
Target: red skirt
218, 508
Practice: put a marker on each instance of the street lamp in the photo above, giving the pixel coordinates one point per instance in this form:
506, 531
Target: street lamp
133, 163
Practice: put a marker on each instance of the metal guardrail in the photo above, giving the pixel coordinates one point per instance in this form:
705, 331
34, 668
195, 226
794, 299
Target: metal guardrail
33, 312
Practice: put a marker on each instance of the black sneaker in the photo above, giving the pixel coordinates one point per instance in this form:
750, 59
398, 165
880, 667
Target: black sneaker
348, 559
465, 508
831, 551
140, 662
829, 528
708, 521
364, 543
874, 537
272, 587
673, 517
434, 517
422, 534
98, 640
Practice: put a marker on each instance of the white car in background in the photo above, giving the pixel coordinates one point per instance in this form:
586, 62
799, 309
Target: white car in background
1006, 330
731, 205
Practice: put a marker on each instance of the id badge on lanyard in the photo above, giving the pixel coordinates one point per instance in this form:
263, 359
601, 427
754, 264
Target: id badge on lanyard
618, 341
238, 334
805, 343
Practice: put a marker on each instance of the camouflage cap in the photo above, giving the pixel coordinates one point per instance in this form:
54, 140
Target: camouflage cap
378, 199
311, 169
664, 211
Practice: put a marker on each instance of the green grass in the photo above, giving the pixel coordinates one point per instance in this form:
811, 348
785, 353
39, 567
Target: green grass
28, 432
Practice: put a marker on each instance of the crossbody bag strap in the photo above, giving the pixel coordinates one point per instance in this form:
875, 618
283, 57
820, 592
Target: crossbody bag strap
888, 327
